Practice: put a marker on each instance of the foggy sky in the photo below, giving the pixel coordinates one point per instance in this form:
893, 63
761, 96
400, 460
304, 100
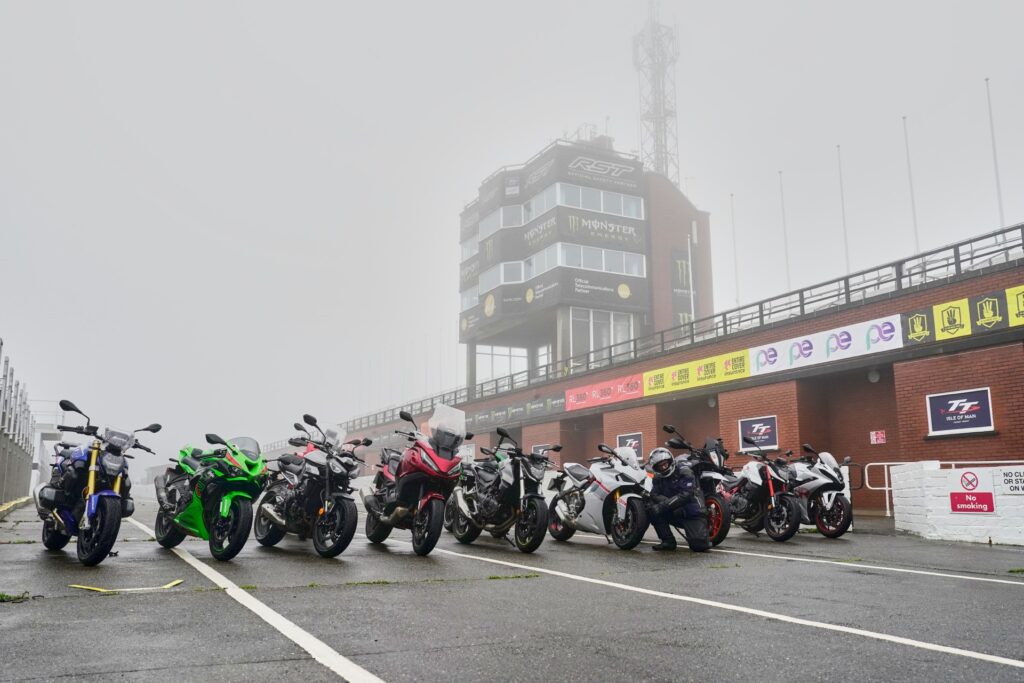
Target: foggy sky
222, 215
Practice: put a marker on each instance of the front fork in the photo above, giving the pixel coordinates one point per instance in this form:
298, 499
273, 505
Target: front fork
90, 484
771, 488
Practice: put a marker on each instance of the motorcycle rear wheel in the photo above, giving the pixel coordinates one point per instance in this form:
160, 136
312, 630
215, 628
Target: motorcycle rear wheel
165, 532
94, 544
266, 532
333, 531
630, 532
835, 522
376, 530
558, 530
426, 527
783, 521
531, 526
53, 539
450, 509
463, 529
719, 518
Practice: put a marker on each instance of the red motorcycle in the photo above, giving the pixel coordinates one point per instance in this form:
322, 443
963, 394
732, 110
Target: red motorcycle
409, 489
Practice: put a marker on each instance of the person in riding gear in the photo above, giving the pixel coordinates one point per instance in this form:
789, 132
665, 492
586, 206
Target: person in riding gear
674, 501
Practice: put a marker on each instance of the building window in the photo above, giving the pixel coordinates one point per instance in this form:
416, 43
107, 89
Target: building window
511, 272
612, 203
572, 256
632, 207
543, 358
569, 195
635, 264
511, 216
590, 199
490, 224
614, 261
490, 278
599, 335
499, 361
470, 298
470, 248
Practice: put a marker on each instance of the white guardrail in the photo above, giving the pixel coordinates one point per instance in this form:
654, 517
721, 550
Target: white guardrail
887, 477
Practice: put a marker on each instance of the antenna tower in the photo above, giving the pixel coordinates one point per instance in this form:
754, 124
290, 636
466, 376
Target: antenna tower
655, 52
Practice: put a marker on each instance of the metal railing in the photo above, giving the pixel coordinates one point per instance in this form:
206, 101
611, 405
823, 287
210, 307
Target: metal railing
886, 485
17, 427
933, 266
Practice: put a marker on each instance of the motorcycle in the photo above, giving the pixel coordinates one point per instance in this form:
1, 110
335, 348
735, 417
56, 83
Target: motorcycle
451, 507
409, 489
89, 491
817, 481
758, 498
708, 465
310, 495
607, 499
497, 495
209, 494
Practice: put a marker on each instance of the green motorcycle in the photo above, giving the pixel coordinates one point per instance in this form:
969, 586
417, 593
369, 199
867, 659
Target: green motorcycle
209, 494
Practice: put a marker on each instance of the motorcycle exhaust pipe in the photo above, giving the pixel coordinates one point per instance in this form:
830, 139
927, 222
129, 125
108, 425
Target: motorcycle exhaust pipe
366, 496
562, 511
397, 514
160, 484
460, 500
272, 515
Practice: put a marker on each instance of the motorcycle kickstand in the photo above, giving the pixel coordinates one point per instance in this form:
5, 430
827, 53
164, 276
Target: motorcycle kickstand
608, 539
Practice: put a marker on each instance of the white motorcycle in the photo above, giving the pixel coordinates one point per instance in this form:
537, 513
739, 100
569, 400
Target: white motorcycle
817, 481
607, 499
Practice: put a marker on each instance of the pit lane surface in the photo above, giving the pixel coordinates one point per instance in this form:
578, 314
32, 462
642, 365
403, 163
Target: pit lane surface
488, 612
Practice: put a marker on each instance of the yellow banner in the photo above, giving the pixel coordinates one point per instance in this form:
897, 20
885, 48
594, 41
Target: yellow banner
952, 319
665, 380
721, 368
1015, 305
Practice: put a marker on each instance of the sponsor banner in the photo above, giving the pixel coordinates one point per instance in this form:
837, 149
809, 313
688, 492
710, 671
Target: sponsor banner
988, 312
952, 320
666, 380
1015, 306
491, 194
634, 440
539, 174
604, 393
469, 323
511, 186
539, 234
469, 272
851, 341
589, 167
970, 491
594, 289
596, 229
965, 317
763, 431
722, 368
960, 412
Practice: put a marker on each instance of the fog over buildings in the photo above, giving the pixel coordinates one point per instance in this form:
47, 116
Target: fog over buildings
220, 216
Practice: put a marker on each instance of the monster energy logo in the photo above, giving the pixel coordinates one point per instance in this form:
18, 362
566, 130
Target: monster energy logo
952, 320
988, 312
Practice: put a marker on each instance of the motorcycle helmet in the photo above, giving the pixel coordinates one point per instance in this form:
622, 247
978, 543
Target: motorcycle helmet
661, 462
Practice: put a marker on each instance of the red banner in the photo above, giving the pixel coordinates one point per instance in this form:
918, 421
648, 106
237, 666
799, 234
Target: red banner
603, 393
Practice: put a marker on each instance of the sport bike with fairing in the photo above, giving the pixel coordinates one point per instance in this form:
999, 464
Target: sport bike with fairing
409, 489
817, 481
209, 494
89, 489
310, 495
607, 499
504, 495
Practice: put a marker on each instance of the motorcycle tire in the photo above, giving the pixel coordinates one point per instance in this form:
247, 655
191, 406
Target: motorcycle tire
463, 529
53, 539
719, 518
165, 532
628, 535
788, 522
426, 527
558, 530
835, 522
95, 543
376, 530
228, 535
450, 509
266, 532
332, 536
531, 526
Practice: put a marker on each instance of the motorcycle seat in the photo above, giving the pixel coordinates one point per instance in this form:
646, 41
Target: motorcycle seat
577, 472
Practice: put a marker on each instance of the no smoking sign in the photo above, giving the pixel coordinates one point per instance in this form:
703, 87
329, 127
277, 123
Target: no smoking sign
969, 480
970, 492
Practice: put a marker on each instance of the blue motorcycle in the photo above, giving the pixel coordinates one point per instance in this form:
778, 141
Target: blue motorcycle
89, 489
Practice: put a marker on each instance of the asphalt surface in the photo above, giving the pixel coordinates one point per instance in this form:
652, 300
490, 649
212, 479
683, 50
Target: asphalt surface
461, 613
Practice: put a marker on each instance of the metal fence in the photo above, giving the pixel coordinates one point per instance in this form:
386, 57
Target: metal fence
16, 434
933, 266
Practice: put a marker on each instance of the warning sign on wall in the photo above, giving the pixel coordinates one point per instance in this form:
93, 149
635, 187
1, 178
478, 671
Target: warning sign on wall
970, 491
1011, 481
877, 438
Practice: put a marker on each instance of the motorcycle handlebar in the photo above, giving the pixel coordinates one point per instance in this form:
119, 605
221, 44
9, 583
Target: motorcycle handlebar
144, 448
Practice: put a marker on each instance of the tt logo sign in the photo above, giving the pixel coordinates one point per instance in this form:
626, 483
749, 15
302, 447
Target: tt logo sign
962, 406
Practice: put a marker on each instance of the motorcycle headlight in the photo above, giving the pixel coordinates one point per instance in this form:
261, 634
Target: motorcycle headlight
336, 467
536, 471
113, 464
430, 463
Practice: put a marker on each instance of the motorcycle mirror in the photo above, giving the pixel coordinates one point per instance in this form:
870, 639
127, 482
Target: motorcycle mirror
197, 452
486, 451
807, 448
215, 440
675, 443
469, 435
355, 442
367, 442
154, 428
503, 433
309, 419
669, 429
557, 448
789, 453
405, 415
297, 442
605, 448
747, 440
847, 460
69, 407
300, 428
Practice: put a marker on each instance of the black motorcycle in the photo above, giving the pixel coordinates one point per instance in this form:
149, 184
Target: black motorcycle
759, 497
496, 496
708, 465
310, 494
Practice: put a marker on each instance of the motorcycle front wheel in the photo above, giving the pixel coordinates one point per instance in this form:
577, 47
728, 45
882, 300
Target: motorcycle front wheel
719, 518
334, 529
628, 532
782, 521
532, 525
426, 527
94, 543
835, 522
229, 534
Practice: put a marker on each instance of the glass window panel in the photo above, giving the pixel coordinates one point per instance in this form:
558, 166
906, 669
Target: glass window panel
518, 364
528, 211
511, 216
613, 203
489, 279
580, 336
551, 257
590, 198
500, 365
593, 258
529, 266
622, 327
581, 314
602, 330
490, 224
631, 207
614, 261
634, 264
571, 255
570, 194
512, 272
550, 200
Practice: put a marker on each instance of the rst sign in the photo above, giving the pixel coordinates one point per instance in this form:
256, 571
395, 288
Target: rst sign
960, 412
970, 491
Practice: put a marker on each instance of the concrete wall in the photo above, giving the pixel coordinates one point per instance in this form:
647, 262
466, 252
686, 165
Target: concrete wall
921, 506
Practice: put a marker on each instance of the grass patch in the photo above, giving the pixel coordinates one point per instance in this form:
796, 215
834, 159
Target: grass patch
313, 585
1016, 570
247, 587
723, 566
7, 597
513, 576
375, 582
21, 541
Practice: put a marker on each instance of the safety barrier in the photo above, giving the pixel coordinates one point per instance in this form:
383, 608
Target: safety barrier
16, 429
886, 484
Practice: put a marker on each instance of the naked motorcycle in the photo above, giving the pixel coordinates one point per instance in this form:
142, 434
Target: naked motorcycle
758, 498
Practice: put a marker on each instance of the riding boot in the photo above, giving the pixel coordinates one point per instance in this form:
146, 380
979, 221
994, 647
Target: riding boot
668, 541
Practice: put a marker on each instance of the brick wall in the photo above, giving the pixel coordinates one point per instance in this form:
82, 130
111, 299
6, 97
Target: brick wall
545, 433
643, 419
693, 417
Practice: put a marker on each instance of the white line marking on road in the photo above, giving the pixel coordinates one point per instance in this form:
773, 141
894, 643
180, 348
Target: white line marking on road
318, 650
995, 659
